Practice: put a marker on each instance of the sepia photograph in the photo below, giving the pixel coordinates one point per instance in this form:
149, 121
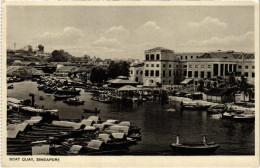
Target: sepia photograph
130, 80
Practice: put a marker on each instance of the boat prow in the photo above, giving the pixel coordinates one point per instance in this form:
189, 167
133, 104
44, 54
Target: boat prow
194, 149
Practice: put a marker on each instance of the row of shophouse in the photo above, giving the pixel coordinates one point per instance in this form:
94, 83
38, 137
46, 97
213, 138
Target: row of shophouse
164, 66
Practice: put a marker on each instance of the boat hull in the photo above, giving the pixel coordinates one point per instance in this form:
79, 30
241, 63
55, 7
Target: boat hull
199, 149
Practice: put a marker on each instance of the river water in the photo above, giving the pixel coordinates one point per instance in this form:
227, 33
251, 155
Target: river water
159, 126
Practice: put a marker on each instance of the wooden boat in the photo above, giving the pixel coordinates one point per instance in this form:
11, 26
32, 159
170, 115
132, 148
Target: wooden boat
69, 91
195, 107
244, 117
136, 136
194, 149
231, 113
74, 101
92, 111
50, 90
62, 97
216, 109
10, 87
95, 98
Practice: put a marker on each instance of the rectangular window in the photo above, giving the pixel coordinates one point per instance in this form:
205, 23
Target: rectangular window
177, 73
164, 65
152, 56
131, 72
246, 74
202, 74
157, 73
215, 69
221, 69
246, 67
163, 73
181, 57
157, 56
141, 72
177, 66
209, 75
147, 57
186, 57
190, 74
184, 66
196, 66
253, 67
191, 57
157, 65
184, 73
226, 69
170, 65
190, 66
152, 73
137, 72
202, 66
180, 66
196, 74
238, 73
170, 73
147, 65
230, 67
253, 74
146, 73
152, 65
209, 66
239, 67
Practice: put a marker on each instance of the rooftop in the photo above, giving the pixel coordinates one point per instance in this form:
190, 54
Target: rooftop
159, 49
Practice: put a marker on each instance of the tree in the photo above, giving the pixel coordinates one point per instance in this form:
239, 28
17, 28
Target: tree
244, 86
41, 48
118, 69
201, 85
231, 79
59, 56
98, 75
30, 50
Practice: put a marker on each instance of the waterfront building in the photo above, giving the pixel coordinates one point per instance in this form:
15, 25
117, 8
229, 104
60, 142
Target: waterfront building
221, 63
159, 67
136, 72
64, 71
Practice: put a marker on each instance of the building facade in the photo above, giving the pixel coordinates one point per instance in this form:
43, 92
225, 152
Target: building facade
136, 73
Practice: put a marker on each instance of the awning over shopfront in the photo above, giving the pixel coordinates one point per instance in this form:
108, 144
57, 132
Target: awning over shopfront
186, 81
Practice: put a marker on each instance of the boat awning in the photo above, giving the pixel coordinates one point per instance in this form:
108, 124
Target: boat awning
41, 150
100, 126
75, 149
118, 135
104, 137
95, 144
118, 129
94, 118
186, 81
87, 122
125, 123
90, 128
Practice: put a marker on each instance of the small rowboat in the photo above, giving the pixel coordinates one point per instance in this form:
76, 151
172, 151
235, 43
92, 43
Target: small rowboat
91, 111
74, 101
194, 149
195, 107
244, 117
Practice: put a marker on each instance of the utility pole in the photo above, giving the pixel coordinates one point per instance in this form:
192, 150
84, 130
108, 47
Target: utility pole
14, 45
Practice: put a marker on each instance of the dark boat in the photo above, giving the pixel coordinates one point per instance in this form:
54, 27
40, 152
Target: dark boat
69, 91
244, 117
74, 101
216, 109
62, 97
195, 107
10, 87
50, 90
92, 111
194, 149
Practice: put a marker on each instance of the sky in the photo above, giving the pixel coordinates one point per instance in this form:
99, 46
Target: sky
125, 32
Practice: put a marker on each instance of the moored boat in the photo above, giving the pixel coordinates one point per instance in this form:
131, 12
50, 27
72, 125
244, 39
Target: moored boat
92, 111
216, 109
62, 97
194, 149
195, 106
74, 101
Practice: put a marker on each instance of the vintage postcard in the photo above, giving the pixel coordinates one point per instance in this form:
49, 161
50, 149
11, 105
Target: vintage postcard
130, 84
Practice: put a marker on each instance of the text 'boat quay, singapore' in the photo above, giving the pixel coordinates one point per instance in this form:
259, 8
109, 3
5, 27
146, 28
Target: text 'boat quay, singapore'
169, 104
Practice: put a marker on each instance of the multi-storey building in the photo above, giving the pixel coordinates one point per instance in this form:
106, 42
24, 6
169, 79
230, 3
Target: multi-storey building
167, 68
214, 64
136, 73
159, 67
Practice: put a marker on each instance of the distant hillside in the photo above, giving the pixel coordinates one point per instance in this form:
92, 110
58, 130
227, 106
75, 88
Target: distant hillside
11, 59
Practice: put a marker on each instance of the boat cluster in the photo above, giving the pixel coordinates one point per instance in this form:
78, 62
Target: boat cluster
221, 111
90, 136
14, 79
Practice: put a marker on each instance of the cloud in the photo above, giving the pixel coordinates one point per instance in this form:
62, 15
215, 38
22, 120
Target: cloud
243, 41
117, 30
150, 25
206, 22
108, 43
68, 36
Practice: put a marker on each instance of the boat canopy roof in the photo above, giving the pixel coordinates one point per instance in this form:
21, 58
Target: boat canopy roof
118, 128
186, 81
21, 126
89, 128
12, 133
100, 126
95, 144
41, 150
104, 137
67, 124
125, 123
118, 135
94, 118
112, 121
32, 109
75, 149
33, 120
13, 100
14, 104
87, 122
